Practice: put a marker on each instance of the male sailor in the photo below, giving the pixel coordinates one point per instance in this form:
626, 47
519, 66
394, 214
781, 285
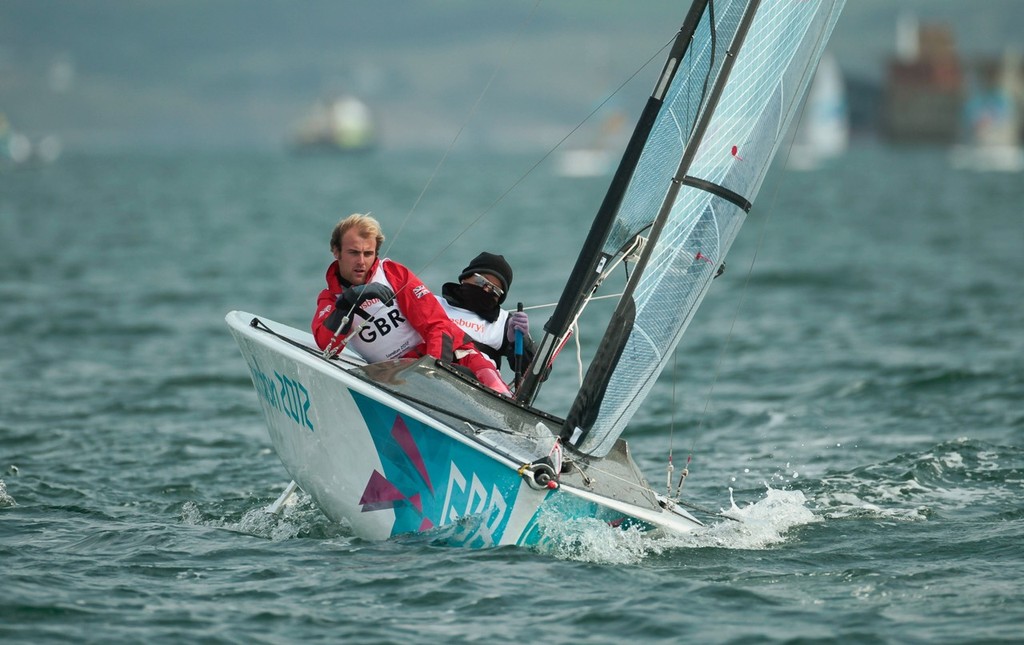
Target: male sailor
383, 311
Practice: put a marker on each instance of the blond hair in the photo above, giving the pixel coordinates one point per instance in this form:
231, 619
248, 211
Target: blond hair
365, 226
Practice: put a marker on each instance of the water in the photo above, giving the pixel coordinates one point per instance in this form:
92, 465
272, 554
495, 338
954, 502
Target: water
852, 386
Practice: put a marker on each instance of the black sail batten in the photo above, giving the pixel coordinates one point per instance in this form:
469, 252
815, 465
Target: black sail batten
718, 190
591, 260
586, 406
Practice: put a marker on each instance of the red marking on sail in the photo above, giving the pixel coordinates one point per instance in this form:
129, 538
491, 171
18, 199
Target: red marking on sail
400, 433
379, 494
701, 256
426, 525
735, 153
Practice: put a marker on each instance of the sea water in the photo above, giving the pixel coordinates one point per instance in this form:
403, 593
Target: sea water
849, 396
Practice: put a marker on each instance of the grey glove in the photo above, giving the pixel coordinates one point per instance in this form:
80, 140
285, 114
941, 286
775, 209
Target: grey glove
350, 299
356, 296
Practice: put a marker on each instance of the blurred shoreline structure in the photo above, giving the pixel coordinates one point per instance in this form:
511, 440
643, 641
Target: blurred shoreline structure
934, 95
924, 84
247, 78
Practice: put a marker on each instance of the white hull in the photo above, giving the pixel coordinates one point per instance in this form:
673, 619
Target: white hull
406, 446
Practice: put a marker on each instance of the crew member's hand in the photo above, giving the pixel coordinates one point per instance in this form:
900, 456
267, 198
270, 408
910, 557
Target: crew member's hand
355, 296
350, 299
518, 321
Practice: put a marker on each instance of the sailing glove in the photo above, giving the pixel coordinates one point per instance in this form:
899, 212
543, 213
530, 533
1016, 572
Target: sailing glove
355, 296
350, 299
517, 321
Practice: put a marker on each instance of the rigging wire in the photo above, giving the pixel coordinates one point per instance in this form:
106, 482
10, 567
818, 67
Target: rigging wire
532, 167
332, 349
670, 467
472, 112
544, 157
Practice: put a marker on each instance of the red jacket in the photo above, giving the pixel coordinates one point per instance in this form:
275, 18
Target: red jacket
417, 305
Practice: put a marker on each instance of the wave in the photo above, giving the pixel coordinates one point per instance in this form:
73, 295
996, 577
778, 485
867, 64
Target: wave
963, 475
298, 518
5, 499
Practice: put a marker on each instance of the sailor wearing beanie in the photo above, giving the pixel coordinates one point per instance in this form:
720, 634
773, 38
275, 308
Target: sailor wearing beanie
474, 304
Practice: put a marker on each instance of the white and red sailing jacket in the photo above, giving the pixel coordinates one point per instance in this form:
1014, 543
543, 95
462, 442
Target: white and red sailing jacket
413, 325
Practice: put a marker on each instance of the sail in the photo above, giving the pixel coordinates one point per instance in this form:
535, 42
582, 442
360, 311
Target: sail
724, 113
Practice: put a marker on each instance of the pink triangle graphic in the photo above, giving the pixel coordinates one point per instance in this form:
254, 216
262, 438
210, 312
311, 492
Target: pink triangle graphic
379, 493
417, 503
403, 437
426, 525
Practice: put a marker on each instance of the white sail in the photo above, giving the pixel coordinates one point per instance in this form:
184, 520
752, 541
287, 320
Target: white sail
725, 114
823, 132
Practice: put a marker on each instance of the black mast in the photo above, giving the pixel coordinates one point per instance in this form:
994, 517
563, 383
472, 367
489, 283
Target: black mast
585, 408
591, 260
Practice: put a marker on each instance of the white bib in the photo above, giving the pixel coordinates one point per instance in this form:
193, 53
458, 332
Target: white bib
487, 333
385, 333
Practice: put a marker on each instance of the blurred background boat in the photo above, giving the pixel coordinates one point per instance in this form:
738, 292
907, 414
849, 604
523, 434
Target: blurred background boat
990, 135
823, 132
598, 157
17, 148
344, 124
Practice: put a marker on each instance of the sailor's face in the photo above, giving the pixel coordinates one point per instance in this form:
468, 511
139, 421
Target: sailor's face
356, 256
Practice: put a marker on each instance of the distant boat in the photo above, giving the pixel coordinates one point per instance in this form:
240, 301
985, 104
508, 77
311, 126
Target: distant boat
16, 148
991, 126
344, 124
597, 159
824, 129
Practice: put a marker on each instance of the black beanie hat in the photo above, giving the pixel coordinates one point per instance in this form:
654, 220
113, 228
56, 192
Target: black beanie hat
493, 265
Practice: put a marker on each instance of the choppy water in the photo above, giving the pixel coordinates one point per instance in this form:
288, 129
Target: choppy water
855, 392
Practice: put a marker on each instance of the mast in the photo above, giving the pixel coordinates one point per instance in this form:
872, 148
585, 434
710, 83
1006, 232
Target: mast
591, 261
691, 191
732, 85
588, 401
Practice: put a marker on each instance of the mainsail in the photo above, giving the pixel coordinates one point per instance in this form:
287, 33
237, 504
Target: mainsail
734, 79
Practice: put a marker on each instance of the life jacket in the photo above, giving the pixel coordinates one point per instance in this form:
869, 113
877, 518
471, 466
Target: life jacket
488, 336
380, 332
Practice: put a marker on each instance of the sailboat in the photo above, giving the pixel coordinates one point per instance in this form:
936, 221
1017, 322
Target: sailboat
991, 128
823, 130
340, 125
596, 159
409, 446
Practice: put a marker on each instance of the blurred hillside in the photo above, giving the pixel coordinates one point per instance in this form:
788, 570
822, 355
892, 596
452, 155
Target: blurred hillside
240, 73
